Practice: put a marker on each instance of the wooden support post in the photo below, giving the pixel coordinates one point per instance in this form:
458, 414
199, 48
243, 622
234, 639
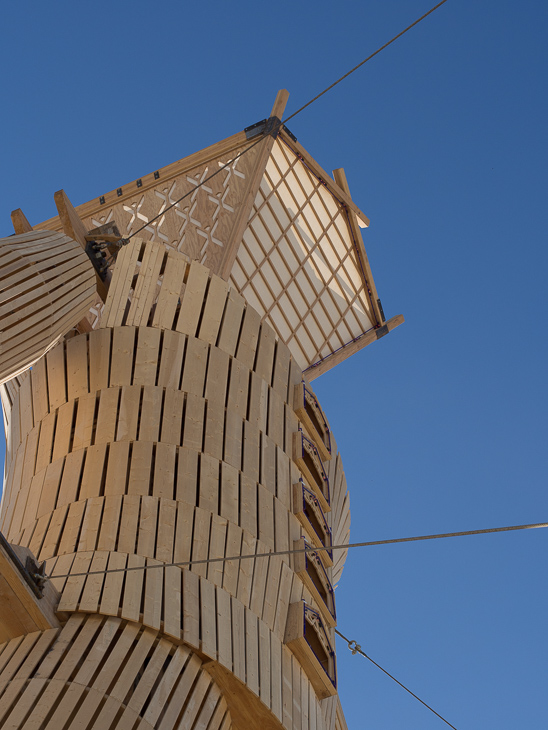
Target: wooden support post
75, 229
20, 222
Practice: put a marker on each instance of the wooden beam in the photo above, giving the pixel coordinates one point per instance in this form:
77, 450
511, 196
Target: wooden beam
75, 229
164, 174
355, 233
330, 184
21, 611
233, 244
351, 348
20, 222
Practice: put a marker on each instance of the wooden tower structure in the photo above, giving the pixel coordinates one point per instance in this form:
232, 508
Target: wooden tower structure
160, 424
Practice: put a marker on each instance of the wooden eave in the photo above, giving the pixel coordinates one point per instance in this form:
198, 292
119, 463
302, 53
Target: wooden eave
169, 172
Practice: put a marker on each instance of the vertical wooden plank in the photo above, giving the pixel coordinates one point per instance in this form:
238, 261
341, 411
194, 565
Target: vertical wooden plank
182, 549
146, 356
193, 297
171, 361
172, 610
70, 481
39, 382
213, 310
25, 407
238, 388
172, 417
50, 488
187, 476
245, 578
191, 609
123, 346
266, 516
99, 359
133, 588
276, 676
148, 527
45, 441
249, 336
194, 422
209, 483
151, 413
264, 663
230, 326
164, 471
258, 402
230, 497
63, 430
53, 535
214, 430
281, 528
147, 280
282, 605
140, 469
280, 377
232, 567
287, 689
208, 615
116, 477
170, 291
233, 439
217, 542
57, 380
194, 372
89, 601
128, 415
122, 277
268, 463
110, 523
297, 712
166, 530
224, 629
71, 529
283, 478
276, 418
107, 414
154, 586
200, 540
127, 536
248, 504
77, 366
251, 450
259, 581
238, 638
91, 524
271, 591
94, 468
85, 417
112, 592
266, 347
251, 651
217, 376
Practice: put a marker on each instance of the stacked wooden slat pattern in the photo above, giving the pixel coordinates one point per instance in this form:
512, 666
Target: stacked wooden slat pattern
166, 436
47, 284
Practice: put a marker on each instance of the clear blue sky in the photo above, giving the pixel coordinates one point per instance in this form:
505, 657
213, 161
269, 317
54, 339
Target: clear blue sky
442, 425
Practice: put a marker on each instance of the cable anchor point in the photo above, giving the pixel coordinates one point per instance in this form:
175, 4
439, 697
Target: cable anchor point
354, 647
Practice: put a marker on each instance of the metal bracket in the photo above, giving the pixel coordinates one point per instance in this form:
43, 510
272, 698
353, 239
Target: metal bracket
382, 331
381, 310
271, 126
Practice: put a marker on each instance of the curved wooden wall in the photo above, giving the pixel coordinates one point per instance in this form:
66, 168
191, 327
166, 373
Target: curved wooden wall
47, 284
138, 445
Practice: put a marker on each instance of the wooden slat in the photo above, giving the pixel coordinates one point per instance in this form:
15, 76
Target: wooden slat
170, 291
193, 296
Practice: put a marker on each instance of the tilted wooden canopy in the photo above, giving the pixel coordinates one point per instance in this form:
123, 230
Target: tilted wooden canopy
273, 224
